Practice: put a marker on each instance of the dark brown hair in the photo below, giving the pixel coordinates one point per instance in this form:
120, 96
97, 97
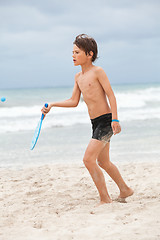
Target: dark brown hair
87, 44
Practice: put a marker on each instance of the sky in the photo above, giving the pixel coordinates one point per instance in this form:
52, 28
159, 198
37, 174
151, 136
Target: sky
36, 40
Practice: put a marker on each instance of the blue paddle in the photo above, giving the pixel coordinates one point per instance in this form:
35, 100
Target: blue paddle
37, 131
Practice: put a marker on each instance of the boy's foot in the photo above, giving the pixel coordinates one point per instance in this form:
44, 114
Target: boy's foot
124, 194
102, 202
121, 200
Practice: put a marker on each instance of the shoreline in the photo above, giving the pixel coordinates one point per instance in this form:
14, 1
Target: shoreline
57, 201
72, 163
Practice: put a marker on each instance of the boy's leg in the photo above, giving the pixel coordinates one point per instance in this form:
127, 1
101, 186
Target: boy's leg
90, 157
104, 162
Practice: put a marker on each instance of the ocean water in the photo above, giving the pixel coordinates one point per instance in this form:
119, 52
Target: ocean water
66, 131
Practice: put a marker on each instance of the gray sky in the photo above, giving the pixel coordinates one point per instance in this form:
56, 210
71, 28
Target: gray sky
36, 40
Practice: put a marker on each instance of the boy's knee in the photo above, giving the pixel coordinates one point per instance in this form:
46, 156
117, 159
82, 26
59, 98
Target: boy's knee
87, 161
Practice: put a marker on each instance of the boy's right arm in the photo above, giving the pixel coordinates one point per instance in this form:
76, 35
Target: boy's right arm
72, 102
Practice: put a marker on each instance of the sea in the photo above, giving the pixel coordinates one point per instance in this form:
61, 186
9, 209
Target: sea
66, 132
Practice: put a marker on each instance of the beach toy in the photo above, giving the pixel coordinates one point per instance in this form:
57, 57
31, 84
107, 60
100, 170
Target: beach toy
3, 99
37, 131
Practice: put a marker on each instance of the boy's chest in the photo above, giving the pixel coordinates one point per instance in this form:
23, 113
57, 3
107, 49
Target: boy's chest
87, 84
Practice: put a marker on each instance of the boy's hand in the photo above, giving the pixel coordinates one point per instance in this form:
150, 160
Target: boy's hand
45, 110
116, 127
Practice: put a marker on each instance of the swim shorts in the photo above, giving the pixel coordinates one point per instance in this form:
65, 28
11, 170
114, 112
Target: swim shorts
102, 129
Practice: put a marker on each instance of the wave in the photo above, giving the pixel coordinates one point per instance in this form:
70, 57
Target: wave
138, 98
128, 99
137, 104
51, 120
32, 111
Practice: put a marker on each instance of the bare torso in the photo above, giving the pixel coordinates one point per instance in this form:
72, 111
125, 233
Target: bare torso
93, 93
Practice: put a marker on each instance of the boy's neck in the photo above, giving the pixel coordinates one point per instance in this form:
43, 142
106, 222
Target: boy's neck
86, 67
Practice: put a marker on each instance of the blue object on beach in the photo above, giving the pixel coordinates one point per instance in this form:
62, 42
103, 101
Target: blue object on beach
3, 99
37, 131
115, 120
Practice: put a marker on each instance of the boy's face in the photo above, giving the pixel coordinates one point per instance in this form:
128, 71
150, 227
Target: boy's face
79, 56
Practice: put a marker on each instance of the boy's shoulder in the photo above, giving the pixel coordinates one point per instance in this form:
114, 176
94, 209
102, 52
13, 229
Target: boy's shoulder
96, 69
77, 76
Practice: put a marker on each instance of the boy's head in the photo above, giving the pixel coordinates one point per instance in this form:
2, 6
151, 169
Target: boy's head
87, 44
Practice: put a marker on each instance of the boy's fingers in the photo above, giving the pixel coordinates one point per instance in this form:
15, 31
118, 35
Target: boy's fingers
113, 128
116, 128
45, 110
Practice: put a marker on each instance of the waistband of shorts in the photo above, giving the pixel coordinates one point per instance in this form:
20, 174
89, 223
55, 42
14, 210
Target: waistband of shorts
107, 116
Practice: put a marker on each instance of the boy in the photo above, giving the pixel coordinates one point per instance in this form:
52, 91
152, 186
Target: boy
94, 85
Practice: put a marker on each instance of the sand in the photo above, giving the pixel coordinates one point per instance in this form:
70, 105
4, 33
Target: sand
58, 201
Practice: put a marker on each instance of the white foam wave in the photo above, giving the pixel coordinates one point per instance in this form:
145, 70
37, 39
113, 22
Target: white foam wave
139, 114
138, 98
22, 111
61, 120
132, 105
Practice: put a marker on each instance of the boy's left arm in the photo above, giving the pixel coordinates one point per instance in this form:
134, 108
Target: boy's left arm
104, 81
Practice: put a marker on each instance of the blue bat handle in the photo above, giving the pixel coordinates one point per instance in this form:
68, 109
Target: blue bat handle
46, 105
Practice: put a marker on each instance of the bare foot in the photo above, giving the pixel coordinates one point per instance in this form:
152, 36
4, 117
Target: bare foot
102, 202
127, 193
121, 200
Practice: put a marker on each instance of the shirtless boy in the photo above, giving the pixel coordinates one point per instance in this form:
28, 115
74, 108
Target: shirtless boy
95, 87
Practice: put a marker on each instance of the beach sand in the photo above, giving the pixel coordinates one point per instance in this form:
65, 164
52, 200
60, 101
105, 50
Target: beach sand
58, 201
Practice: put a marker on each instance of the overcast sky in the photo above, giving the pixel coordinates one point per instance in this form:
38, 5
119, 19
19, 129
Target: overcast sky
36, 40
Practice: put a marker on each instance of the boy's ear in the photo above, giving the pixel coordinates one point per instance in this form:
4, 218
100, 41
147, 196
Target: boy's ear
90, 54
